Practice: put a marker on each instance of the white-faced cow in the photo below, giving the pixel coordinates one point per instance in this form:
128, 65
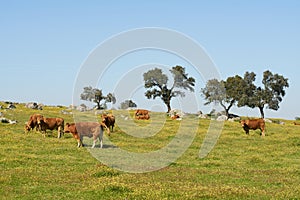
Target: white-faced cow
51, 124
88, 129
253, 124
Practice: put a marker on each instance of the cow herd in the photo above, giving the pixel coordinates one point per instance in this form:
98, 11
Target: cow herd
95, 130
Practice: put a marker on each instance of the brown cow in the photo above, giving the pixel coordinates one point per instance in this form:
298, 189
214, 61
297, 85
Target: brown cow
254, 124
175, 117
89, 129
109, 121
32, 123
147, 117
296, 123
51, 124
142, 114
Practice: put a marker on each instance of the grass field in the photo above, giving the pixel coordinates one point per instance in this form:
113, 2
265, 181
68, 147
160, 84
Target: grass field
239, 166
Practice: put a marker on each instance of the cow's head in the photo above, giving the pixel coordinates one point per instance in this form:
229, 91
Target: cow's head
67, 128
27, 128
243, 123
104, 118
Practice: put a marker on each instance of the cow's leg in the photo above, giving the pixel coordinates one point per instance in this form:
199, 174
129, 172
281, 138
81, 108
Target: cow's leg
262, 132
101, 138
94, 143
59, 132
80, 141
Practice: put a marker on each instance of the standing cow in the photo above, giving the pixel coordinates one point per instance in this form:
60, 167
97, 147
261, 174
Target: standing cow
109, 121
32, 123
89, 129
253, 124
51, 124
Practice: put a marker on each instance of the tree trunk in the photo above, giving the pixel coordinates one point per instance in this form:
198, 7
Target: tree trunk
98, 105
261, 109
169, 107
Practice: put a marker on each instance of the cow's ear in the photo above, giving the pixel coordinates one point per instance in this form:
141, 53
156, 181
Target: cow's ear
67, 124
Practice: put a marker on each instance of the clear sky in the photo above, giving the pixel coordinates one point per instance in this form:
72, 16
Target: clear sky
44, 43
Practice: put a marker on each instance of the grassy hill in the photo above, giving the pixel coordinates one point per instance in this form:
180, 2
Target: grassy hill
239, 166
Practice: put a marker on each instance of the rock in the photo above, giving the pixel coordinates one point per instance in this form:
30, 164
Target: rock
202, 116
33, 105
4, 120
11, 106
65, 112
222, 118
268, 120
81, 108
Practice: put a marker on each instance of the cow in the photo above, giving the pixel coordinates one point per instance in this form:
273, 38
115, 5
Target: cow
296, 123
51, 124
32, 123
89, 129
176, 116
142, 114
147, 117
253, 124
109, 121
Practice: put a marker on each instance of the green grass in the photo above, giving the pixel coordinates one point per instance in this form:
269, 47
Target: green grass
238, 167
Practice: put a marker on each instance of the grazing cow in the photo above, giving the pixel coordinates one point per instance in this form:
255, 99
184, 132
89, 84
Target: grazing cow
296, 123
109, 121
142, 114
32, 123
51, 124
89, 129
254, 124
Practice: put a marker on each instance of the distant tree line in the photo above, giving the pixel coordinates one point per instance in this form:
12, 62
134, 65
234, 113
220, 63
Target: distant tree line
235, 90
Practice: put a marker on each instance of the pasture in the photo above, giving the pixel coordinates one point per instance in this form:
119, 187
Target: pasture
238, 167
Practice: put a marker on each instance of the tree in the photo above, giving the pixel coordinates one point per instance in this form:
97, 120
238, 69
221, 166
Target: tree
269, 95
95, 95
226, 93
156, 83
128, 104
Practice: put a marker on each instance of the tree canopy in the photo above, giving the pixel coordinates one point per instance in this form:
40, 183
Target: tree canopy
156, 83
269, 95
95, 95
244, 92
128, 104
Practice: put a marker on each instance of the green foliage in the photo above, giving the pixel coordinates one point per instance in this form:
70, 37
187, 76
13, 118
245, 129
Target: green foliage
244, 92
95, 95
128, 104
156, 83
239, 167
269, 95
226, 93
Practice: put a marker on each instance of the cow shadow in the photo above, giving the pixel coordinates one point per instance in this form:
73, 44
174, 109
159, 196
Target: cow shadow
105, 146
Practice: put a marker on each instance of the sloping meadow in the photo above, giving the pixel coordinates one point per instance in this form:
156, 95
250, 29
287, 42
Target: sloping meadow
239, 166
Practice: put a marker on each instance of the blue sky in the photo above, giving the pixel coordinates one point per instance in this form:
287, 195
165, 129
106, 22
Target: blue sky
44, 43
